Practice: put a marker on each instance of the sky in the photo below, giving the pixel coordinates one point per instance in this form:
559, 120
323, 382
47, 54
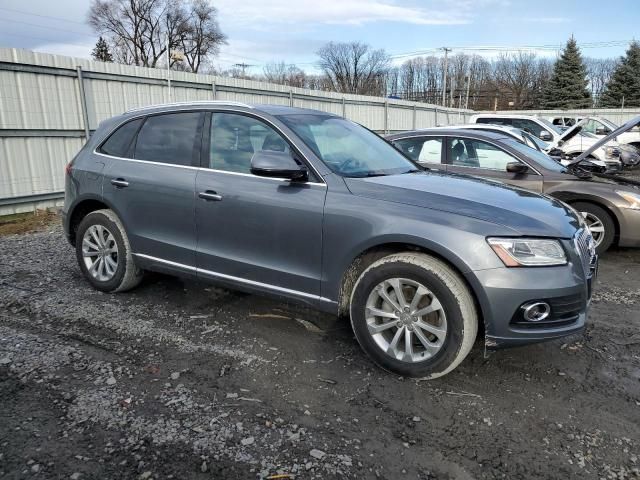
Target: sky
263, 31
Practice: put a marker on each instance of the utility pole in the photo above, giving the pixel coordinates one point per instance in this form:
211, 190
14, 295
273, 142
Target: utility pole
243, 66
168, 66
444, 81
466, 101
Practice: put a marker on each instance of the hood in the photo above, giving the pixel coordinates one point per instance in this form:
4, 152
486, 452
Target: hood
616, 180
623, 128
524, 212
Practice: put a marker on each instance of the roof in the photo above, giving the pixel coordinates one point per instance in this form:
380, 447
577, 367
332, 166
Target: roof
269, 109
471, 132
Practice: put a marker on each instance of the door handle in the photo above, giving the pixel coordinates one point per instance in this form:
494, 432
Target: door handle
119, 183
210, 195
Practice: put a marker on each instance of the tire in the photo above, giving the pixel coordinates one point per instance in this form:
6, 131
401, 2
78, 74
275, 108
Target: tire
105, 224
593, 214
456, 321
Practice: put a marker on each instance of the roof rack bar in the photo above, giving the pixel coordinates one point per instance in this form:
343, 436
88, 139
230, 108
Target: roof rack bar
194, 103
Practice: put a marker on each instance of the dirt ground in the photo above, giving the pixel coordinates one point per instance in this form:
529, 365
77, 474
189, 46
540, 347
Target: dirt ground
184, 380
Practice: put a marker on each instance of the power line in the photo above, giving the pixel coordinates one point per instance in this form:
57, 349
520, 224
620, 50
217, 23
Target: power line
45, 27
41, 16
507, 48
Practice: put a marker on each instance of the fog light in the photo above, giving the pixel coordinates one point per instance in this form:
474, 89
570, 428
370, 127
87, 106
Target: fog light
536, 311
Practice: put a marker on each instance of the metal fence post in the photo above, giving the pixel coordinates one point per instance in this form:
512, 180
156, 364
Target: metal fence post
415, 117
83, 103
291, 98
344, 108
213, 90
386, 116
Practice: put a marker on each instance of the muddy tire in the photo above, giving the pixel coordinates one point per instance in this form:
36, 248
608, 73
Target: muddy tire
104, 254
413, 315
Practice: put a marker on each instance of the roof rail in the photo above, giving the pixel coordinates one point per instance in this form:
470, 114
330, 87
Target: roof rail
195, 102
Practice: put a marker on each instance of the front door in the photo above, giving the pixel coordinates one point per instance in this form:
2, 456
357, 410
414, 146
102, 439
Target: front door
476, 157
263, 232
153, 190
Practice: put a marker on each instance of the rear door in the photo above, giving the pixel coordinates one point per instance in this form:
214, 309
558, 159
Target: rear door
476, 157
425, 150
262, 232
153, 190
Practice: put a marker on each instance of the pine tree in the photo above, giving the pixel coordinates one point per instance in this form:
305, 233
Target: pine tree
568, 85
101, 51
625, 81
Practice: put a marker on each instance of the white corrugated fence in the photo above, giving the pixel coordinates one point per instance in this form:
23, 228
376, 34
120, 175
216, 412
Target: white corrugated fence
50, 103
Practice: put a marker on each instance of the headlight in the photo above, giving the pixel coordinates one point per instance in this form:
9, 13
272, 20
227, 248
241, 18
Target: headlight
632, 198
612, 152
528, 252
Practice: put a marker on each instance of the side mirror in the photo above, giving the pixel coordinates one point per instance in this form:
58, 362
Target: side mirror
602, 131
517, 167
265, 163
545, 136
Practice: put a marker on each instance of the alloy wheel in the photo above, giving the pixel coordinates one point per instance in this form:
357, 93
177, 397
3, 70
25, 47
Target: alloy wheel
406, 320
596, 227
100, 253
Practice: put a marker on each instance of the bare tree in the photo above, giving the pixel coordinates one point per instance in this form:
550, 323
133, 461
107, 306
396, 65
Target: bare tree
514, 77
283, 74
202, 37
140, 30
354, 67
599, 72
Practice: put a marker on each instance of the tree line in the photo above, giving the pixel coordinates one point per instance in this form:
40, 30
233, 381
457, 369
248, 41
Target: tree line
187, 33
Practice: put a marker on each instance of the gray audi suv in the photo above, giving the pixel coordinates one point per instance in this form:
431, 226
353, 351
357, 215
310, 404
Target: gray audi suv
310, 207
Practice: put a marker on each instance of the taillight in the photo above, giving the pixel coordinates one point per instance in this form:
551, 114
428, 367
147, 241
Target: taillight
68, 168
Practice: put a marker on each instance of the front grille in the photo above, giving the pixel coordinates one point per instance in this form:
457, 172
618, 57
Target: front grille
586, 249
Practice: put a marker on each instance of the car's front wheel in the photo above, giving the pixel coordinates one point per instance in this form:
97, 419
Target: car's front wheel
600, 223
413, 315
104, 254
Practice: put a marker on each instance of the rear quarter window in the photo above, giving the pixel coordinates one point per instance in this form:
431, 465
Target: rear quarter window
120, 142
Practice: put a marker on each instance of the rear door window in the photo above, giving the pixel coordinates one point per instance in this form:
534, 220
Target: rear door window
422, 149
171, 138
120, 143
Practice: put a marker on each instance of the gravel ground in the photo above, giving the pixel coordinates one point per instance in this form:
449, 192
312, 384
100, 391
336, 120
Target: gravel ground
184, 380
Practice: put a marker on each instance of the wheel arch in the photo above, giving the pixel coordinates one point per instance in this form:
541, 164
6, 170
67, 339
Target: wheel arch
80, 209
572, 198
376, 250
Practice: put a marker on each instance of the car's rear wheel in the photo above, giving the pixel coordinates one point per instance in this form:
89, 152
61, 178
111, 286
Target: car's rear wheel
413, 315
104, 254
600, 223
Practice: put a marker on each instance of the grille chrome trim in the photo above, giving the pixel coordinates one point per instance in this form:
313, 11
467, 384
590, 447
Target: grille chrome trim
585, 245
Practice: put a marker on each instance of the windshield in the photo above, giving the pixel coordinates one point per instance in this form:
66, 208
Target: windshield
607, 123
533, 141
346, 148
549, 125
541, 158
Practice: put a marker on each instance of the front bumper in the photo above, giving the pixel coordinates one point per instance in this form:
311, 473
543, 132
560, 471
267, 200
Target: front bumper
503, 291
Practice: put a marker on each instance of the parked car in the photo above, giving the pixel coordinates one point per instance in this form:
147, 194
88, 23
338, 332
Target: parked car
571, 147
610, 204
550, 149
564, 122
311, 207
600, 127
627, 155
